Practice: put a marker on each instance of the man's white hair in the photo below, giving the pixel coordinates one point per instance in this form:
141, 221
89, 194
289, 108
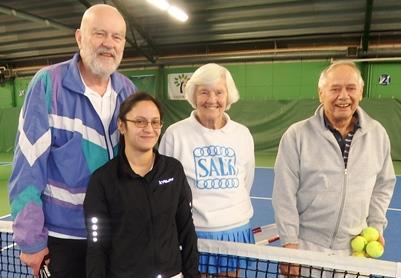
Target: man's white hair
325, 72
209, 75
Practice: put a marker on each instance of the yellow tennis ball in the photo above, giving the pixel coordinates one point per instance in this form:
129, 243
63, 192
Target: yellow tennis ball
370, 233
358, 243
374, 249
359, 254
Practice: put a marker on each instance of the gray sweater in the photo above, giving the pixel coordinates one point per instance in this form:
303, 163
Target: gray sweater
315, 198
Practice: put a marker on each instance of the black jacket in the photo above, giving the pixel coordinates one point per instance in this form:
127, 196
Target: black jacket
142, 222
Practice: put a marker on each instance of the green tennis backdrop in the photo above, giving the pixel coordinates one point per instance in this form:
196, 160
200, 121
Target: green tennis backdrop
273, 96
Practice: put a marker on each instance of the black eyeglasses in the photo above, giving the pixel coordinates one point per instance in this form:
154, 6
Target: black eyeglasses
142, 123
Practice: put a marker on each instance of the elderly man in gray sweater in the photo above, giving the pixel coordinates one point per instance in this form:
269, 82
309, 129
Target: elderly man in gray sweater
333, 173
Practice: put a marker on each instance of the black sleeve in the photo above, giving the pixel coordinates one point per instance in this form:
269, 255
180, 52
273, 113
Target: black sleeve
98, 231
186, 230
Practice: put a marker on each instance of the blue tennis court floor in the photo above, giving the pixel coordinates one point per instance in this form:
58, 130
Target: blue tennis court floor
263, 211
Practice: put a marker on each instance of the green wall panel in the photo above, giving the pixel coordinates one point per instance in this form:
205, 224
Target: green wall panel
8, 128
310, 76
287, 74
286, 91
21, 85
392, 90
259, 82
145, 80
6, 91
273, 95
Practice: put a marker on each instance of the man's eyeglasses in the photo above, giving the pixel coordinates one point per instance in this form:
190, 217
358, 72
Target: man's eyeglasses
142, 123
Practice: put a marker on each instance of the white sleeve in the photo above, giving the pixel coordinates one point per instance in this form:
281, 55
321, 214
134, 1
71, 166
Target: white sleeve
166, 145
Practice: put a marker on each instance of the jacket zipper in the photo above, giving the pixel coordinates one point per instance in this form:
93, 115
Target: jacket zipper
155, 249
107, 136
344, 187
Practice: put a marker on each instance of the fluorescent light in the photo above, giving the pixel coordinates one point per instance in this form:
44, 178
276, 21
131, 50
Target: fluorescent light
174, 11
178, 13
160, 4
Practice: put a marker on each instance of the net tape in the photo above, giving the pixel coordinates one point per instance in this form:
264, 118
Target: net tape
318, 260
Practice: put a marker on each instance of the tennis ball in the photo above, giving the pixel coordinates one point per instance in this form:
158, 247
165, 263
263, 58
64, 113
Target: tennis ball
358, 243
374, 249
359, 254
370, 233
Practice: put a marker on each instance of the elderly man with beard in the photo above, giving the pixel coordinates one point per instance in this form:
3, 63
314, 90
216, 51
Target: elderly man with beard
67, 129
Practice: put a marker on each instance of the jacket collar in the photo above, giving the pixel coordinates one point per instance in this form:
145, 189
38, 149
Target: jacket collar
124, 168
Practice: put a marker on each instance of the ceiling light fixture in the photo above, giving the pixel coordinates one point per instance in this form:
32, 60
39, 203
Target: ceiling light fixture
172, 10
177, 13
160, 4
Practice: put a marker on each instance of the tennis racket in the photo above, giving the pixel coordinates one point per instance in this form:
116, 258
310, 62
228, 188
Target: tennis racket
265, 234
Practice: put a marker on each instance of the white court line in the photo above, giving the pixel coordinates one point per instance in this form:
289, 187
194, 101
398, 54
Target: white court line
261, 198
394, 209
5, 216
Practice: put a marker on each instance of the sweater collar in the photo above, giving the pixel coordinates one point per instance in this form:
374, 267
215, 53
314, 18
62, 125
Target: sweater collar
226, 128
356, 123
363, 118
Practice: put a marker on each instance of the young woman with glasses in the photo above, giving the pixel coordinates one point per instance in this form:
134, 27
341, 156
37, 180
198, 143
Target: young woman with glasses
138, 206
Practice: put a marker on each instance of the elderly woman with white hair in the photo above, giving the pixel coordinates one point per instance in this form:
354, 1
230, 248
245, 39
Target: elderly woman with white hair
218, 158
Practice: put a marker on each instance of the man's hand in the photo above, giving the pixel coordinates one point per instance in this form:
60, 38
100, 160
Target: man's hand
290, 270
381, 240
34, 260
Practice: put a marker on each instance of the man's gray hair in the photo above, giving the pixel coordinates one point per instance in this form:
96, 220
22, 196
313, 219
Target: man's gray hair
323, 75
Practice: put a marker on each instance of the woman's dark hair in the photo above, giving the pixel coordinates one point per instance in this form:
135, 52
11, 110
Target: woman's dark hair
133, 99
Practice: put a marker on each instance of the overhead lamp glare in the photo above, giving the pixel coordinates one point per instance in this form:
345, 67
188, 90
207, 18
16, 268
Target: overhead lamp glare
160, 4
178, 13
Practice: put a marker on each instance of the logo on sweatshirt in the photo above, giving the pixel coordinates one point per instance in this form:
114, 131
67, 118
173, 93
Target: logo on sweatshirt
161, 182
215, 167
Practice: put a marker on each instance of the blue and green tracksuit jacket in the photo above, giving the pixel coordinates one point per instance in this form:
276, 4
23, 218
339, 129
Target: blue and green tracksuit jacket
60, 142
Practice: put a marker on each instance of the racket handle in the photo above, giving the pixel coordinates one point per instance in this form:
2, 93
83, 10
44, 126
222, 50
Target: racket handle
44, 270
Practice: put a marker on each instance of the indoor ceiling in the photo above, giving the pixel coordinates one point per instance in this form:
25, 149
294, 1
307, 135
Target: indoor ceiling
38, 32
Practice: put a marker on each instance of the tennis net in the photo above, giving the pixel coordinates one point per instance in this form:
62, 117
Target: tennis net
251, 261
228, 259
10, 264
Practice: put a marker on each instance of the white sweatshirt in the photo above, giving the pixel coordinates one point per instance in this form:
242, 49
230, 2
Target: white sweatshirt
220, 167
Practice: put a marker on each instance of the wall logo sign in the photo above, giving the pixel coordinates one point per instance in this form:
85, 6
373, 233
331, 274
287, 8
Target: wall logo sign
176, 84
384, 79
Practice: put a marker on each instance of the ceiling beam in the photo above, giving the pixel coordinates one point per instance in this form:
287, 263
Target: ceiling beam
87, 4
366, 28
33, 18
